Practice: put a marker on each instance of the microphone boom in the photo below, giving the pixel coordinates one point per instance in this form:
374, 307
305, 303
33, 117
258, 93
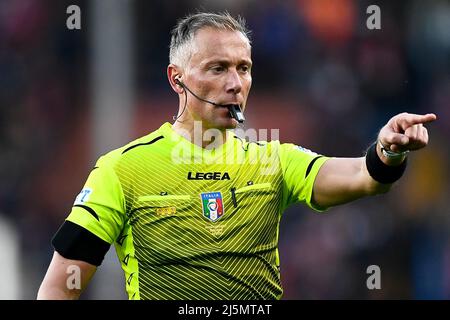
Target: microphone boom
235, 109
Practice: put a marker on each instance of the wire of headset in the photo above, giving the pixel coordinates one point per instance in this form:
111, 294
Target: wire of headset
181, 84
175, 118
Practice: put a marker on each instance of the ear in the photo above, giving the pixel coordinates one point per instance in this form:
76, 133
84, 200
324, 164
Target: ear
173, 73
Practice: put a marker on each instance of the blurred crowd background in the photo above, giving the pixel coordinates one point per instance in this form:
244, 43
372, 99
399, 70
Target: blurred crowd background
320, 76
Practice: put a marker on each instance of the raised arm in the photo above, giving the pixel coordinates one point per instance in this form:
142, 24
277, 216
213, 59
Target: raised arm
341, 180
65, 279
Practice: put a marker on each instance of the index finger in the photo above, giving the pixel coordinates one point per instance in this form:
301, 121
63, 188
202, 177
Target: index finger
411, 119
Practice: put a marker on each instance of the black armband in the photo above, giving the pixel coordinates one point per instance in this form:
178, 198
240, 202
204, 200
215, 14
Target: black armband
75, 242
380, 171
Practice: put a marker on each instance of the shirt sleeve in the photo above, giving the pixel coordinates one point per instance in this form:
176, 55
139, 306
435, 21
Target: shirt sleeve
300, 167
100, 206
96, 219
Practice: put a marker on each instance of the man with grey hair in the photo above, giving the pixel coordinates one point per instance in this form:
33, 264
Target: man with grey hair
203, 223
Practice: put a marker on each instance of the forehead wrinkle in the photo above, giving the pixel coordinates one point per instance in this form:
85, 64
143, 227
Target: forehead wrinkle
226, 47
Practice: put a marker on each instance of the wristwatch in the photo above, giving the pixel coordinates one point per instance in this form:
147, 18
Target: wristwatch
391, 154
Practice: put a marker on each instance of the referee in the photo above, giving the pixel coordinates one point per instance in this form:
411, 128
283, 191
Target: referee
193, 210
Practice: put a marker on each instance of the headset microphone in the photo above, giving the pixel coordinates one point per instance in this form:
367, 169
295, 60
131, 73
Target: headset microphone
235, 109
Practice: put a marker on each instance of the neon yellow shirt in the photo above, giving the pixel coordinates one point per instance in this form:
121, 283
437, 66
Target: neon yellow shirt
190, 223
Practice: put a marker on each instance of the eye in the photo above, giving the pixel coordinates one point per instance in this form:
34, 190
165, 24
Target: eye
244, 68
217, 69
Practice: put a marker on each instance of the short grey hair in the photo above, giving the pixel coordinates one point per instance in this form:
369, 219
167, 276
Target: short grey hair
184, 31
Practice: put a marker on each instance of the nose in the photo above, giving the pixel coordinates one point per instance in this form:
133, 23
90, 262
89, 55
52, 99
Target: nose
234, 82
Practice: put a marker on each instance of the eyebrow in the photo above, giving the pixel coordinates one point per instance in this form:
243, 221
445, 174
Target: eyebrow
227, 62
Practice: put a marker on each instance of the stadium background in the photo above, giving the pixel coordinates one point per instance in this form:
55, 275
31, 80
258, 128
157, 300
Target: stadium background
320, 76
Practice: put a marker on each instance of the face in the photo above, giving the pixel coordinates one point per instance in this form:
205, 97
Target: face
219, 71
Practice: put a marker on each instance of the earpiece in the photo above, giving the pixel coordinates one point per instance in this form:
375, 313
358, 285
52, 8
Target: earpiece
178, 82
